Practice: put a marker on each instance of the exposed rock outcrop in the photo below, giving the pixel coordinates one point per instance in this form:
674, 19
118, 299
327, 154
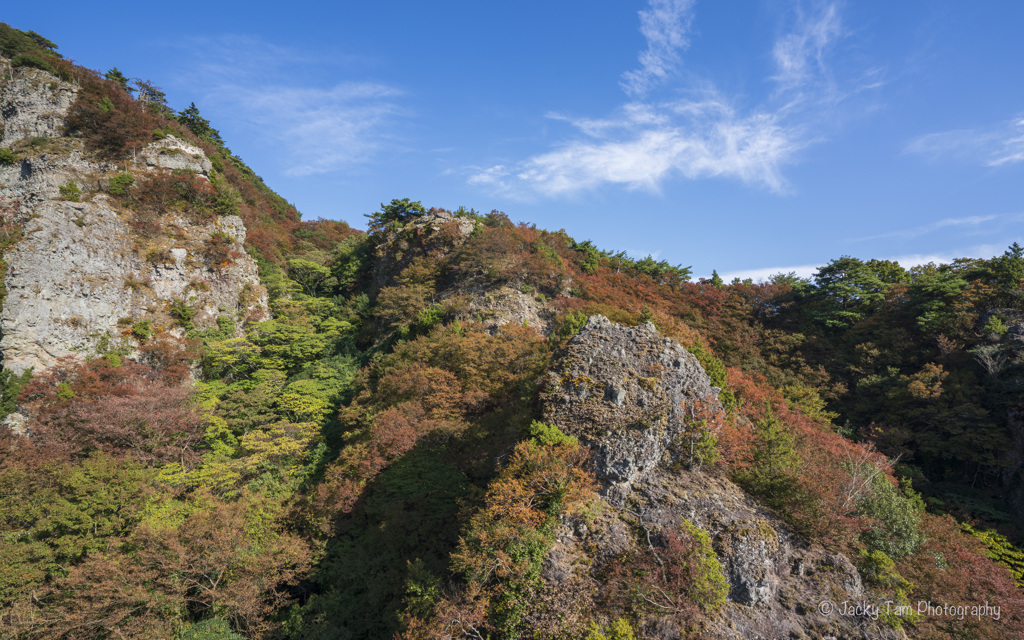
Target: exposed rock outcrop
624, 391
506, 305
75, 278
33, 103
81, 274
175, 154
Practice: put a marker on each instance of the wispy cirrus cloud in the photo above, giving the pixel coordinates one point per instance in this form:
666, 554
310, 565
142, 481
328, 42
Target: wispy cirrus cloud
994, 146
965, 225
322, 130
800, 54
319, 125
704, 135
665, 26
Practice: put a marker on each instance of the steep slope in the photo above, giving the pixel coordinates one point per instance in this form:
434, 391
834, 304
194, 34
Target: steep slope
94, 267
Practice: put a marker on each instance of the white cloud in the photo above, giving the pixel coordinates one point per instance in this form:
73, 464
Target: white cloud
704, 143
765, 274
322, 129
800, 55
705, 135
907, 261
963, 223
995, 146
665, 25
319, 126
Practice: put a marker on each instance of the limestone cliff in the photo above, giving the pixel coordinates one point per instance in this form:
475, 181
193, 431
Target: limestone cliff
626, 393
82, 274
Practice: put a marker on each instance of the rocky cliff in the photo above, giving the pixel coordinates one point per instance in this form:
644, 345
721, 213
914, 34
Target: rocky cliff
631, 396
82, 275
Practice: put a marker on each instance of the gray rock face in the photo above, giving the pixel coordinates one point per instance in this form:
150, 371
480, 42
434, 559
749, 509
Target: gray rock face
38, 177
626, 392
172, 153
506, 305
75, 277
81, 274
33, 103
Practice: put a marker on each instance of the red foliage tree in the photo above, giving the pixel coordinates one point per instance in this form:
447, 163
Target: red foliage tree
128, 410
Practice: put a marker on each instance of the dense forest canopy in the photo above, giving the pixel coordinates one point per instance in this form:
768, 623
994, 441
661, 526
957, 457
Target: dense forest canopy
370, 462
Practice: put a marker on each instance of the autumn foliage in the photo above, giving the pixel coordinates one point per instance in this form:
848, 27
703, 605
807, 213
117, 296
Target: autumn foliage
129, 409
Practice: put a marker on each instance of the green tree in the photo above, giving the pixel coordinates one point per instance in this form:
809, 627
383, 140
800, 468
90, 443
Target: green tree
716, 280
398, 212
898, 513
199, 125
846, 290
114, 75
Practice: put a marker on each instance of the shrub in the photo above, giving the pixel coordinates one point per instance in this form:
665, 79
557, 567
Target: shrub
121, 184
675, 573
995, 325
29, 60
71, 192
183, 314
571, 323
1000, 549
618, 630
898, 511
549, 434
126, 411
143, 330
8, 157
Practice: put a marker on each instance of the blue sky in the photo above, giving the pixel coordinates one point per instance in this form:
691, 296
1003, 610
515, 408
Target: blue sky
751, 137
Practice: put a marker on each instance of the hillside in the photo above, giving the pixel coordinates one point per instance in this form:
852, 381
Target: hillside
225, 422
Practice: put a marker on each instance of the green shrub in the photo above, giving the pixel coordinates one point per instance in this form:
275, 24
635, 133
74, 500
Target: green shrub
8, 157
183, 314
709, 586
105, 105
898, 511
70, 192
618, 630
143, 330
29, 60
571, 323
995, 325
121, 184
878, 570
1000, 549
549, 435
212, 629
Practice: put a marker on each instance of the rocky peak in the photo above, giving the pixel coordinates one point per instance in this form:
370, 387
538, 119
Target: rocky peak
434, 234
626, 392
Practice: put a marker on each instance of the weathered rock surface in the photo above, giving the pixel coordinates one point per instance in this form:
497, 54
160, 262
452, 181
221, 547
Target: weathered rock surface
81, 274
175, 154
625, 392
75, 277
498, 307
33, 103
